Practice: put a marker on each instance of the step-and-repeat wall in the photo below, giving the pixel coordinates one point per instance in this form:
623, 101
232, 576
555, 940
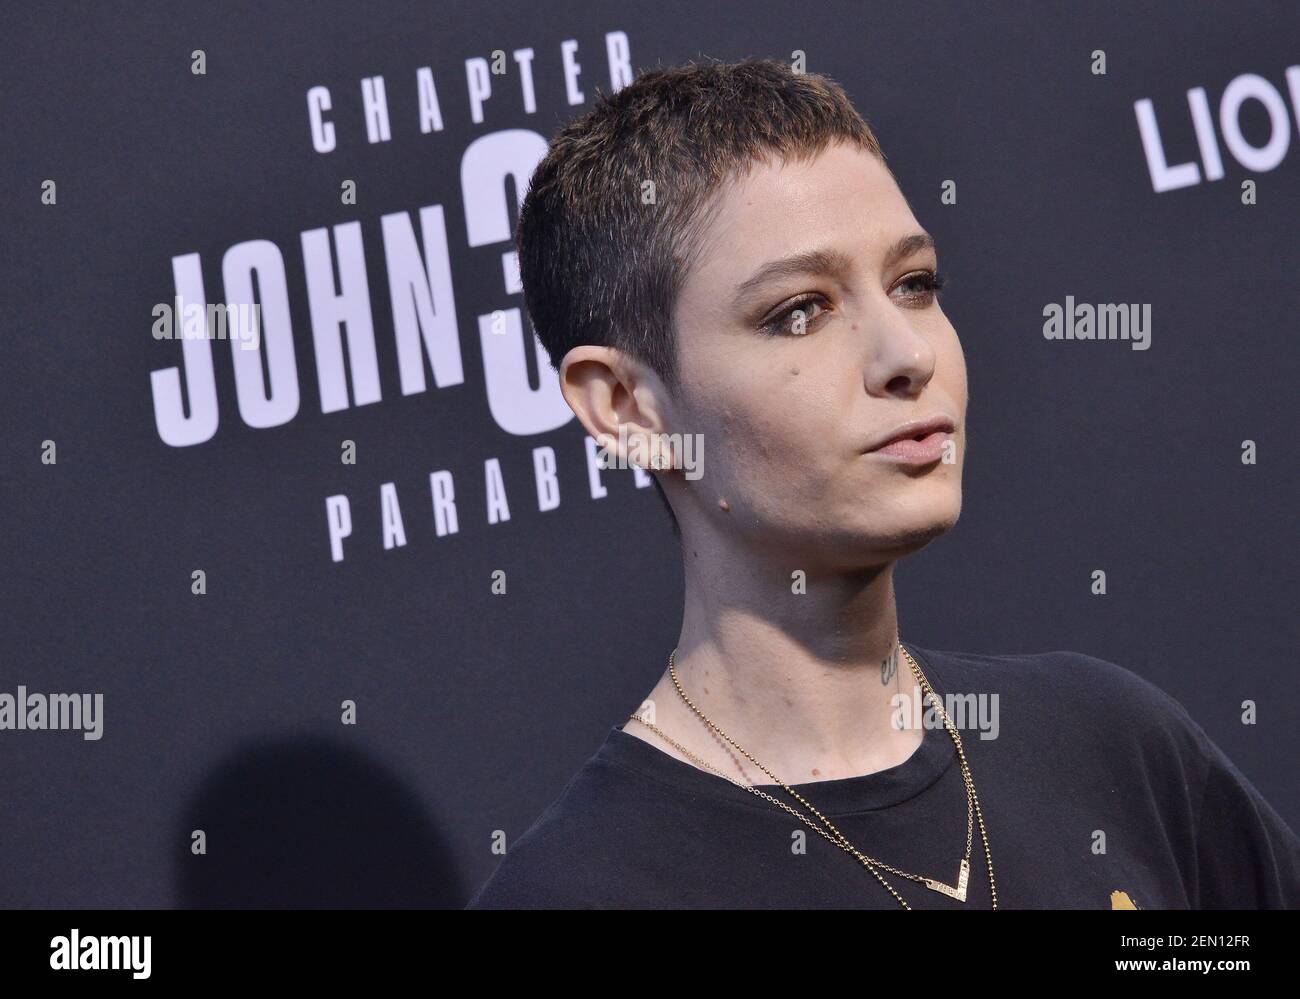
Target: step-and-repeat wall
318, 610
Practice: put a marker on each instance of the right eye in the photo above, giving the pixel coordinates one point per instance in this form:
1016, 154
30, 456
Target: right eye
797, 318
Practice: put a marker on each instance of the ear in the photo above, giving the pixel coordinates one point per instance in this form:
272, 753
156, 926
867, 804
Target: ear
620, 401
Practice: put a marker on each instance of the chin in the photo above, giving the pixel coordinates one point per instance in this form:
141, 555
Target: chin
907, 531
910, 538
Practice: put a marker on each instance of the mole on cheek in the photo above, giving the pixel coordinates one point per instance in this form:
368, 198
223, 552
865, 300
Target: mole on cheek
794, 371
723, 505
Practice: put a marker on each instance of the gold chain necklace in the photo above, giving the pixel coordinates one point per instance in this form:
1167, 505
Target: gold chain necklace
972, 800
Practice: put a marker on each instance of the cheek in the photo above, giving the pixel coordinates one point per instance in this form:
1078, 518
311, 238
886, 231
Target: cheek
771, 431
951, 361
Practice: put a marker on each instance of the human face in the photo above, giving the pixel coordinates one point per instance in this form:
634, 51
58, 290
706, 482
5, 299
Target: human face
789, 418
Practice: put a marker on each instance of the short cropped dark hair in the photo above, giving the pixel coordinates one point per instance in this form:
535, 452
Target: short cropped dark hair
602, 253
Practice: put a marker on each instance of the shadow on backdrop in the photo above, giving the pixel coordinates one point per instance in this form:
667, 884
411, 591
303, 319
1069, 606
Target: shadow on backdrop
308, 823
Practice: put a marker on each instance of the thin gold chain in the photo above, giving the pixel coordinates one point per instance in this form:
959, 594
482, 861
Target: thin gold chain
972, 799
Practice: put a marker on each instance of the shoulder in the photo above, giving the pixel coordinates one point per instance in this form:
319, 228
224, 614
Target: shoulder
1065, 681
1064, 701
560, 860
1121, 725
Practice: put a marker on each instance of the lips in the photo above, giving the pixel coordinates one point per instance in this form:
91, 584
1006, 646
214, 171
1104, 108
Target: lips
914, 432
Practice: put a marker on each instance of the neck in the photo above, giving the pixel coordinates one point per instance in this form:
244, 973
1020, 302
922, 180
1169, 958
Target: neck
803, 681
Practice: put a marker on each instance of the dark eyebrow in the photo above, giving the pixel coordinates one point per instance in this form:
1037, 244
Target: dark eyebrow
907, 246
831, 262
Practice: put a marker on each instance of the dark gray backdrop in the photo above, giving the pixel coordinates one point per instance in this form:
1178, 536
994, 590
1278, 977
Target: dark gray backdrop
222, 711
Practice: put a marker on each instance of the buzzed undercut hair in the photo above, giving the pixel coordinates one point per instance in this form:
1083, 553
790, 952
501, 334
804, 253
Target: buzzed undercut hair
614, 211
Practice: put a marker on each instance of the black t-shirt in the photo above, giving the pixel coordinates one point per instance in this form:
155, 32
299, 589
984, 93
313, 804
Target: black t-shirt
1097, 783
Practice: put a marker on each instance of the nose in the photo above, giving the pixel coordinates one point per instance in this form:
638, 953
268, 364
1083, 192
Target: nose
900, 361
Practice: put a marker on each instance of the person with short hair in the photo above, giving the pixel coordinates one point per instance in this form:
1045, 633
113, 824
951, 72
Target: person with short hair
720, 263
